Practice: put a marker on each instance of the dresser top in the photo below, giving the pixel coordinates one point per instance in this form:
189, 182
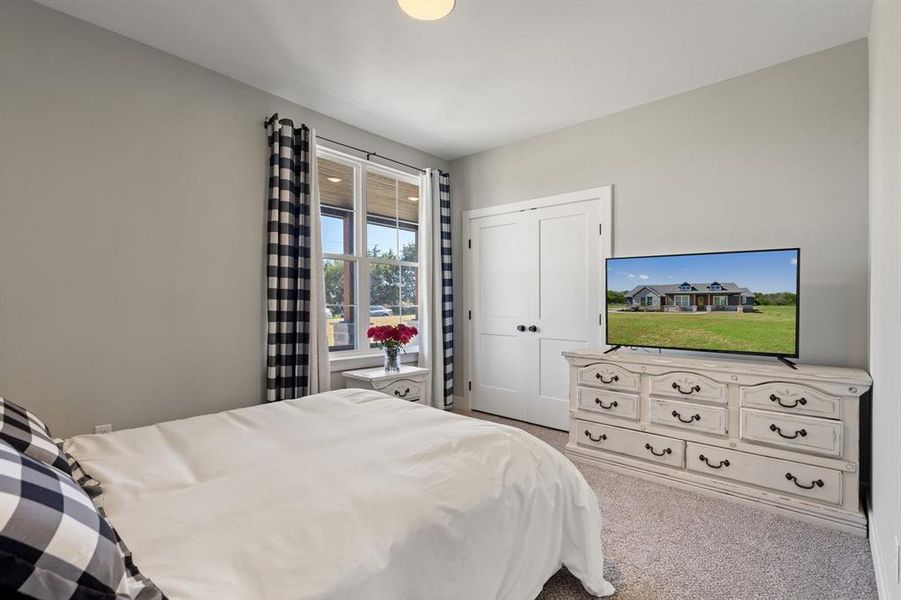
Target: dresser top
757, 366
380, 374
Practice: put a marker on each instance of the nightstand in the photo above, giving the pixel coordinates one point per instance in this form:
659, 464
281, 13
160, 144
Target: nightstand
409, 384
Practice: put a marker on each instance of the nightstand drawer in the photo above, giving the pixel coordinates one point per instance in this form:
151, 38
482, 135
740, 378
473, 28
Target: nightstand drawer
405, 389
407, 384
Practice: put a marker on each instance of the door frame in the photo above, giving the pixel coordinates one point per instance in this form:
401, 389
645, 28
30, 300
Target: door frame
604, 197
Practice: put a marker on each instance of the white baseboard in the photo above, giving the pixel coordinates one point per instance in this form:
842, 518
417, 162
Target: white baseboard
460, 403
879, 563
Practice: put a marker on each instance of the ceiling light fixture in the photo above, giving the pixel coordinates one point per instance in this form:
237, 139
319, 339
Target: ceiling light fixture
335, 179
427, 10
412, 198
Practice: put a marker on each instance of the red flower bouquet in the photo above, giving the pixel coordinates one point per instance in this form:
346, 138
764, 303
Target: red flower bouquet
392, 338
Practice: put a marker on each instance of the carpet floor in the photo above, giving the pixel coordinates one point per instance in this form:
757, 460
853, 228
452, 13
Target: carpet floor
665, 543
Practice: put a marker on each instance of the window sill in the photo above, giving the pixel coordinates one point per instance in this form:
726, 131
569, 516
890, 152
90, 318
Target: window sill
349, 362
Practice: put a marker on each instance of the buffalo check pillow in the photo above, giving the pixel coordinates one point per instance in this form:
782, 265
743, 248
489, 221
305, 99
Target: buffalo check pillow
53, 542
26, 433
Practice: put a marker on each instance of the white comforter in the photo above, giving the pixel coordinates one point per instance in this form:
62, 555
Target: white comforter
347, 494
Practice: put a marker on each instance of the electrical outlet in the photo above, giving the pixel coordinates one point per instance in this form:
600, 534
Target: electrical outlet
103, 428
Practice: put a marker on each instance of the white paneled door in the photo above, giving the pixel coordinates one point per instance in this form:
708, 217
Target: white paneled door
536, 290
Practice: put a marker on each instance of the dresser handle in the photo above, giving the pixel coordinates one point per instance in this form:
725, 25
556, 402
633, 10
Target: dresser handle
404, 395
613, 404
705, 460
601, 377
815, 483
690, 419
778, 400
663, 453
691, 390
777, 429
600, 438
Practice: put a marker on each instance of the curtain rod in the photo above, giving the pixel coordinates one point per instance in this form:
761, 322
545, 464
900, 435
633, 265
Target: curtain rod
369, 154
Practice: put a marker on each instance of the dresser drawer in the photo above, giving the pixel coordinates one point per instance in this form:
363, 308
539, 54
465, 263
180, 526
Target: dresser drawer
791, 398
607, 403
683, 384
405, 389
609, 376
816, 483
645, 446
696, 417
806, 434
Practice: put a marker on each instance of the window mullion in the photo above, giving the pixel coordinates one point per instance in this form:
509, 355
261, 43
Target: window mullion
363, 271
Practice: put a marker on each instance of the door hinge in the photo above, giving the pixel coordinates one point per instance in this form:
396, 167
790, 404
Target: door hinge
600, 229
469, 243
470, 386
600, 318
469, 314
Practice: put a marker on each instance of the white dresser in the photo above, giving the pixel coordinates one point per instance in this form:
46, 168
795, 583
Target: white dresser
409, 384
754, 431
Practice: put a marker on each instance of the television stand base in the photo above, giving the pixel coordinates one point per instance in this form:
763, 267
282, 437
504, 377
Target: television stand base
612, 348
784, 360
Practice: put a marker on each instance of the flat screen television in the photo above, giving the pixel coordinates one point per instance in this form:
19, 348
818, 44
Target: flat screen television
743, 302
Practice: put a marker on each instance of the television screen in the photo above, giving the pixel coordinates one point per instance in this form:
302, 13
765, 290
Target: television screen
743, 302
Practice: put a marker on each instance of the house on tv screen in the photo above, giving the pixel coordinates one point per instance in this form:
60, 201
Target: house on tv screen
691, 297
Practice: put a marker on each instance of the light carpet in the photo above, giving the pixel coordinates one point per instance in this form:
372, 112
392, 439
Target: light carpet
665, 543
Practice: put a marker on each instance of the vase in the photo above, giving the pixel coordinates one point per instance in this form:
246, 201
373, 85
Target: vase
392, 360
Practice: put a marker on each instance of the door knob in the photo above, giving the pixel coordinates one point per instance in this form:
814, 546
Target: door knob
520, 328
532, 328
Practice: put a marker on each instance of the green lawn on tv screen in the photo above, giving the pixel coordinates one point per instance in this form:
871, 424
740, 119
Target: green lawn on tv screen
768, 329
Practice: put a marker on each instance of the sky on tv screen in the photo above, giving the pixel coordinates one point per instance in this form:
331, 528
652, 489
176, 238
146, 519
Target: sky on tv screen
766, 271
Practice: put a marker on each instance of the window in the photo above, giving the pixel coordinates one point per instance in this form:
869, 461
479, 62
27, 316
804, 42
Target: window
647, 300
720, 301
715, 287
685, 287
370, 246
682, 300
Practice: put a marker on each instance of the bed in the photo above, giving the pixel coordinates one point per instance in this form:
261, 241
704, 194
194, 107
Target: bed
345, 494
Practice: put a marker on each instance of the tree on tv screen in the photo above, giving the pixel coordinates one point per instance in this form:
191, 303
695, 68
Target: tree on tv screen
775, 299
616, 297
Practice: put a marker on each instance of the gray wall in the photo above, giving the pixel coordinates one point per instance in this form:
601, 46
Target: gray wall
885, 282
132, 218
774, 158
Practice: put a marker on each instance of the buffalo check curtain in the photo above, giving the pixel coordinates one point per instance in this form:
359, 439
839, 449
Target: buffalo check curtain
436, 349
296, 352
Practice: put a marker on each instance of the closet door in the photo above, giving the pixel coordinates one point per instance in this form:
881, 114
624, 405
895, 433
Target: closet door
500, 280
536, 287
565, 298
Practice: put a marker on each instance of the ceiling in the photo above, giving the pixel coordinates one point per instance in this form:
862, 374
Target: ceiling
491, 73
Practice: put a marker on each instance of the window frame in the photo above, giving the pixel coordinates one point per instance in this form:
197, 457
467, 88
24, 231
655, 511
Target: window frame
360, 257
679, 304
